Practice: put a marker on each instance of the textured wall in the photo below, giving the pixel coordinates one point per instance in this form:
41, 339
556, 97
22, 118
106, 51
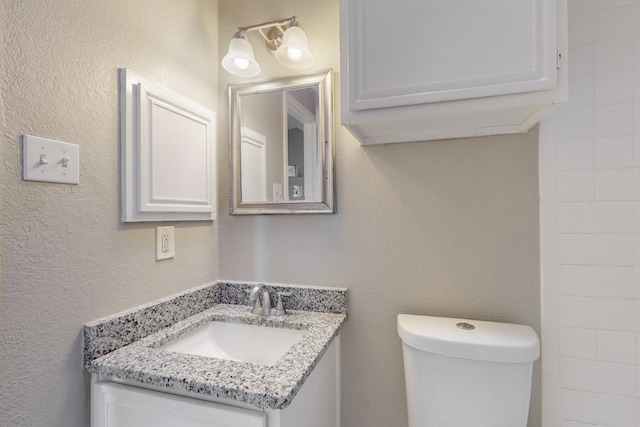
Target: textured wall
65, 257
443, 228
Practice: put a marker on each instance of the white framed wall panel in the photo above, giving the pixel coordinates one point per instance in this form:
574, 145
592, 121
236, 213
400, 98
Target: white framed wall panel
168, 154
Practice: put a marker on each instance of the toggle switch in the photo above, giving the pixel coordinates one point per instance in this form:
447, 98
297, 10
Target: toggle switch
48, 160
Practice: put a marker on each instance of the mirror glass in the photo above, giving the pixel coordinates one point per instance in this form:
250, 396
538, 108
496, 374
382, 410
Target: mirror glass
282, 148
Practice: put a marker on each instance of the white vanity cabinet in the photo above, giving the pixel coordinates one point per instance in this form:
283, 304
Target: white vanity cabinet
422, 70
119, 403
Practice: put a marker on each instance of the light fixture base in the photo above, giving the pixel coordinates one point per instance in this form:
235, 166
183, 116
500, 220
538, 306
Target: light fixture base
273, 38
241, 62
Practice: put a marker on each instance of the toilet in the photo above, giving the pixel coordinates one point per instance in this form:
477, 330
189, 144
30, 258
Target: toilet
467, 373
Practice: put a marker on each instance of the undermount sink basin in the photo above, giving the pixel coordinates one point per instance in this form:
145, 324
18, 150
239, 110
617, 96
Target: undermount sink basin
233, 341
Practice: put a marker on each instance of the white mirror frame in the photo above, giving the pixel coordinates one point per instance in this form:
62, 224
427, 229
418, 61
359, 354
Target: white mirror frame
326, 204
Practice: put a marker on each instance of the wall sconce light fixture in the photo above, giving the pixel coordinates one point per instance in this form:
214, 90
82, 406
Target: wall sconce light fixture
284, 39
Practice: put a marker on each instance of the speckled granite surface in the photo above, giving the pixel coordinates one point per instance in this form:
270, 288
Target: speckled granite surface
113, 332
324, 300
125, 345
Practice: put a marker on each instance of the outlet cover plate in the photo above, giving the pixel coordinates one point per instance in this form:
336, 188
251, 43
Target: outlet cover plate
165, 242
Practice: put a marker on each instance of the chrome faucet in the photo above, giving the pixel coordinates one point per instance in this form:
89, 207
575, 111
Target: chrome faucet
260, 307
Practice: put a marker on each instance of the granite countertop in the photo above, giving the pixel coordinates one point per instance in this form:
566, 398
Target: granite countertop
271, 387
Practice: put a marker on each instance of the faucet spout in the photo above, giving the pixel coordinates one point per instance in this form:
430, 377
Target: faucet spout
253, 294
266, 302
265, 308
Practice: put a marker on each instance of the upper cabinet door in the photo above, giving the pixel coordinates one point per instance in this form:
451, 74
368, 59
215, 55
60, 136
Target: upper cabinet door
415, 70
407, 52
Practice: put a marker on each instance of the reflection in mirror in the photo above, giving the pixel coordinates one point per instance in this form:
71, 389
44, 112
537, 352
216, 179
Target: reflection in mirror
303, 165
282, 145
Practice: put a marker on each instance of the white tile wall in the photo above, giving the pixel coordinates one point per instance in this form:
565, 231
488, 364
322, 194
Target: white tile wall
577, 249
576, 217
577, 280
615, 282
577, 405
577, 374
614, 217
590, 225
614, 184
578, 343
616, 151
615, 249
616, 347
575, 154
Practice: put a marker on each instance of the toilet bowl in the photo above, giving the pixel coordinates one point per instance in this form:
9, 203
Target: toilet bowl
467, 373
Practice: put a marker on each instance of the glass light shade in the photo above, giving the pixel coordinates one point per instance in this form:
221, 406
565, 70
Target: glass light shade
294, 51
239, 60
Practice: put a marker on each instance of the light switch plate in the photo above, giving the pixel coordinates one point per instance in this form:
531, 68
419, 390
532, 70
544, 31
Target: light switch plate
165, 242
48, 160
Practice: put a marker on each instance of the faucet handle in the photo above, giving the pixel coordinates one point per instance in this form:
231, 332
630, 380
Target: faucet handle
280, 310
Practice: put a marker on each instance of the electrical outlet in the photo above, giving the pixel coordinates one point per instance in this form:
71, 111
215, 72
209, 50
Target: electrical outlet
165, 242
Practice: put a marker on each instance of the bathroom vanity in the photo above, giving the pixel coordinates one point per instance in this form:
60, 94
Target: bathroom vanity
151, 381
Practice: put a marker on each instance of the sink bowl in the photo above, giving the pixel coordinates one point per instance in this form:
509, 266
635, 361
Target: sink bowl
233, 341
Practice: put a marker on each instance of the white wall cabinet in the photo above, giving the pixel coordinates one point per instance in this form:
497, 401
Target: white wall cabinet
422, 70
117, 403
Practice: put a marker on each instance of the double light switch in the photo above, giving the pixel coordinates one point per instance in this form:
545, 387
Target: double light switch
49, 160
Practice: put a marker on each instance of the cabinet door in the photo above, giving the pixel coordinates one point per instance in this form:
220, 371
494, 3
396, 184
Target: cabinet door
407, 52
115, 405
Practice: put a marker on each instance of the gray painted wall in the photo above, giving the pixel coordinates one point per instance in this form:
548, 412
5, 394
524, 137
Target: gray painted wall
447, 228
65, 257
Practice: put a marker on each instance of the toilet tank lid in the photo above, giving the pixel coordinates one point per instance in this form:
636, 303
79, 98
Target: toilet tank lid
490, 341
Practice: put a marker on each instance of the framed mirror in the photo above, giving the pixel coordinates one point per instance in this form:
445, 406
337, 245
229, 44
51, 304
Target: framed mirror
282, 145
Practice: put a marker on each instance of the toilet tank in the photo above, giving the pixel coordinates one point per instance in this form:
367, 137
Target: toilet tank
467, 373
